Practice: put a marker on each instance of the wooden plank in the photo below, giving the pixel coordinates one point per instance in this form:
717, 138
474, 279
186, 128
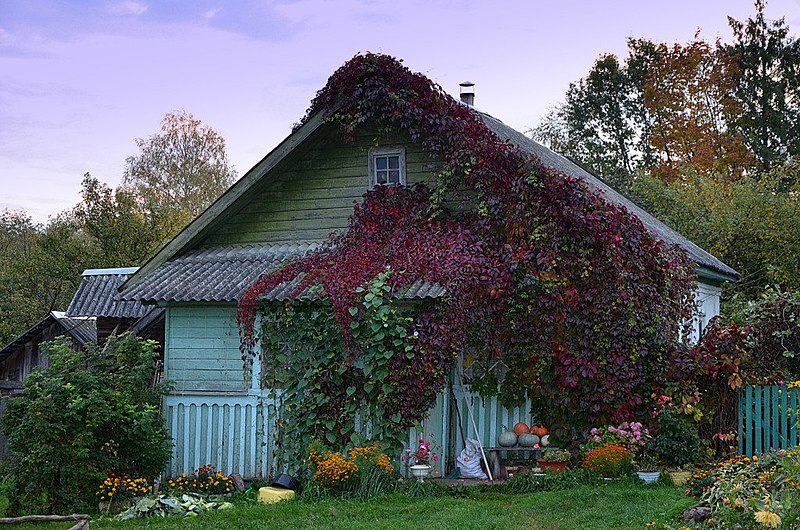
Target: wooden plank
793, 400
775, 419
766, 417
741, 414
784, 418
758, 415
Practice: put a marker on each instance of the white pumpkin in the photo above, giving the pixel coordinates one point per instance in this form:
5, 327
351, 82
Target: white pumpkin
545, 441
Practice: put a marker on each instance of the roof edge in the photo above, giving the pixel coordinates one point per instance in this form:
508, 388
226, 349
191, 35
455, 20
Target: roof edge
197, 228
112, 271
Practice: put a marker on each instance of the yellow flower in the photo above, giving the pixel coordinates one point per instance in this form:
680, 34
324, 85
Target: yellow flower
768, 518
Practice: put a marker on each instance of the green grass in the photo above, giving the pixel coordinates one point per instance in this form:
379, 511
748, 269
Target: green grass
608, 507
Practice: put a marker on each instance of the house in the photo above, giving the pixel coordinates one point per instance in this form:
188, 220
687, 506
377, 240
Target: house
282, 209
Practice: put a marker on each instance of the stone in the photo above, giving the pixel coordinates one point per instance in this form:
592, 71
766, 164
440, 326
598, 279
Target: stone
697, 513
271, 494
238, 481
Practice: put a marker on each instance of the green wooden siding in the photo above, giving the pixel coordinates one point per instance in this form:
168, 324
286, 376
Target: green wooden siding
202, 349
312, 193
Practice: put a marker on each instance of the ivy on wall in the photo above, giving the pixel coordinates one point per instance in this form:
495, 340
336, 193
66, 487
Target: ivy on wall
581, 303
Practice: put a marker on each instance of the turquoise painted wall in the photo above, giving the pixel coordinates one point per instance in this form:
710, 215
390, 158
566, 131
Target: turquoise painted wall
202, 349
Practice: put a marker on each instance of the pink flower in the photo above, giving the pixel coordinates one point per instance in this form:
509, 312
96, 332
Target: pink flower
435, 458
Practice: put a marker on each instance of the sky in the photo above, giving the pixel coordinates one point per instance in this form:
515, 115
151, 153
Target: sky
80, 81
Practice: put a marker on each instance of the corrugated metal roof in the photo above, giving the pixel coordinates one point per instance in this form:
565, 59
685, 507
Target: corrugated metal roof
566, 166
97, 296
223, 274
84, 330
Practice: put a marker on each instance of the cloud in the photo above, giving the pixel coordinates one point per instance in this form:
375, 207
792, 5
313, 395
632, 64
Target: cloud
211, 13
128, 8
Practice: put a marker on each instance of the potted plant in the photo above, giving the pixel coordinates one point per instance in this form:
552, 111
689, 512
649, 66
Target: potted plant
420, 460
647, 466
677, 442
554, 460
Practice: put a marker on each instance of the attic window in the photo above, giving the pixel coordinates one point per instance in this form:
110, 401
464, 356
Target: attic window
387, 167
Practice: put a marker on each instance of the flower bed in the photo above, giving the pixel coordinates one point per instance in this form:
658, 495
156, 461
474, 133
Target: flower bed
757, 492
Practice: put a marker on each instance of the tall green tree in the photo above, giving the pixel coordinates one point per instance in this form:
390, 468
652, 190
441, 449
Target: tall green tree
181, 169
603, 122
767, 86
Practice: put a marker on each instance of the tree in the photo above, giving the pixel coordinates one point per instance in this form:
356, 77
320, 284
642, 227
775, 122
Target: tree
39, 269
688, 96
604, 123
121, 231
767, 86
181, 169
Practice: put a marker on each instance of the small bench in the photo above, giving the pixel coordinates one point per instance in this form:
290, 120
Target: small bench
494, 457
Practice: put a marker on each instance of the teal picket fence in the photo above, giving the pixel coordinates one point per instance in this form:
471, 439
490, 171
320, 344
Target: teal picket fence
768, 419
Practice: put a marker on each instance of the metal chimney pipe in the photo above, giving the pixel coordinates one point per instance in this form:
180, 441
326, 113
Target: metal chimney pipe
467, 92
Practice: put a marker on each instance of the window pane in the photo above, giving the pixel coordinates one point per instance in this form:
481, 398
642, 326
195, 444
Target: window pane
394, 162
380, 162
381, 177
394, 176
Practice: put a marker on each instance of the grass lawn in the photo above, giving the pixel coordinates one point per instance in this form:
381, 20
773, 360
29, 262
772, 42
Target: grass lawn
615, 506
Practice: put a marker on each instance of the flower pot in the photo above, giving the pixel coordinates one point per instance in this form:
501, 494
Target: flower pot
511, 471
649, 477
420, 472
679, 478
555, 467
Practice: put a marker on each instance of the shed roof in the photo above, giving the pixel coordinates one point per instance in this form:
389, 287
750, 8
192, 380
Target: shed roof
97, 295
83, 330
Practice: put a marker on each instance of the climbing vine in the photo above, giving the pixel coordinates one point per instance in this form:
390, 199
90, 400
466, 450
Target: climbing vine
571, 293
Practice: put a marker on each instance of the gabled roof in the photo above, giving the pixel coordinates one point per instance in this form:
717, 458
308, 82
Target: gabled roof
83, 330
96, 295
180, 262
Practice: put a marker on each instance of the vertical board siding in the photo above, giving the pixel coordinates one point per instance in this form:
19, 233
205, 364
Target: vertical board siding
768, 419
234, 432
225, 431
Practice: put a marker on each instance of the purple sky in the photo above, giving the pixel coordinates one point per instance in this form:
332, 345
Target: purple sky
79, 81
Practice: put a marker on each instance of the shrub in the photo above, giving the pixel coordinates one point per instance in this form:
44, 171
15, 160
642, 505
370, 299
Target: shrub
123, 487
607, 460
677, 442
86, 415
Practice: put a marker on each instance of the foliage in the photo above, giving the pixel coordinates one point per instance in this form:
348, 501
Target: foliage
610, 299
204, 480
608, 460
556, 455
186, 505
604, 122
421, 456
774, 333
183, 168
362, 472
121, 232
751, 493
88, 414
676, 439
767, 86
748, 224
115, 487
39, 269
688, 95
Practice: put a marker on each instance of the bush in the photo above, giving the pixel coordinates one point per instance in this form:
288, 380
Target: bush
362, 472
87, 415
205, 479
608, 460
677, 442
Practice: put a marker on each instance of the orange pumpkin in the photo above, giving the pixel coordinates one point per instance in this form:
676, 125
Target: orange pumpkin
520, 429
540, 431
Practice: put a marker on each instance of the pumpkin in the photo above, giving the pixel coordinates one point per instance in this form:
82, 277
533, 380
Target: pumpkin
528, 440
540, 431
520, 428
507, 439
545, 440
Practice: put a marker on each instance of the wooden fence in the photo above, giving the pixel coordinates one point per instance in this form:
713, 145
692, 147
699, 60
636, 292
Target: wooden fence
768, 419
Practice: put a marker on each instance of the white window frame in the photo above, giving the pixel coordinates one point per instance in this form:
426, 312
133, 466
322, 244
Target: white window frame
400, 152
